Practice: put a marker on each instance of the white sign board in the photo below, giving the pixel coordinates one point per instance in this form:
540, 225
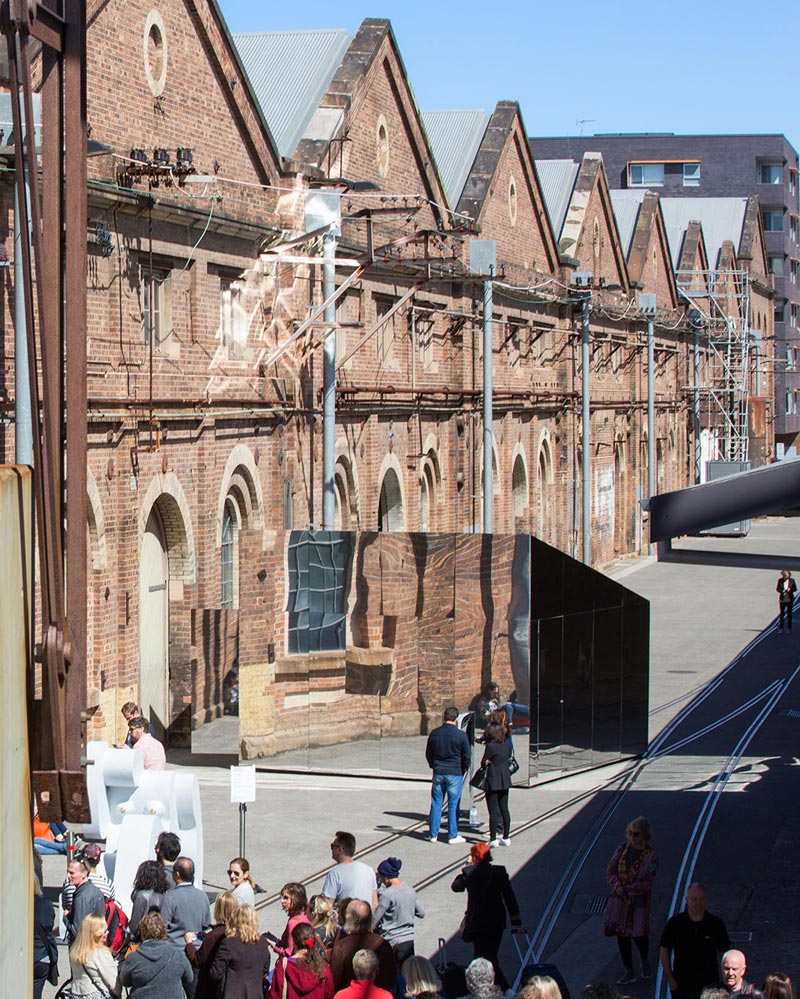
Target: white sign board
243, 784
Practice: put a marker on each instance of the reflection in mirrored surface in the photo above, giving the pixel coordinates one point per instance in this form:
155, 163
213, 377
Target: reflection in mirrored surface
354, 644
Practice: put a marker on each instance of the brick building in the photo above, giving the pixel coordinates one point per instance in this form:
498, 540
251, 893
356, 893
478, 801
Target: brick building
205, 367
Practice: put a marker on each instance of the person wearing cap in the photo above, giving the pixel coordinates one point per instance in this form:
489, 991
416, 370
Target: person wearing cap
397, 906
143, 742
90, 855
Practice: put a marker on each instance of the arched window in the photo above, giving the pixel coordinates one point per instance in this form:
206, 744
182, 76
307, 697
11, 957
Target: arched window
390, 505
228, 552
519, 490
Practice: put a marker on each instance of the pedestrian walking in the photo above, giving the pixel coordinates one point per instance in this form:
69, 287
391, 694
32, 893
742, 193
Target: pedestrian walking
630, 876
489, 897
786, 588
496, 762
448, 754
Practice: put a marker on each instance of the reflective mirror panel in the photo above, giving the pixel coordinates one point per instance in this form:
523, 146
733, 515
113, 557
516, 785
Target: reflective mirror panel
346, 647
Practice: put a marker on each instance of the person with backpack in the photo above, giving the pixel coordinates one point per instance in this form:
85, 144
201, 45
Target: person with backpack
92, 965
87, 900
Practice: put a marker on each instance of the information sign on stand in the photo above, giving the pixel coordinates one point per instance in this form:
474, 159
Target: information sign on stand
243, 789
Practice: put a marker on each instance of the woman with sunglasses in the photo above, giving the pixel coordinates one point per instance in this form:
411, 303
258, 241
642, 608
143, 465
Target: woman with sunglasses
242, 884
630, 875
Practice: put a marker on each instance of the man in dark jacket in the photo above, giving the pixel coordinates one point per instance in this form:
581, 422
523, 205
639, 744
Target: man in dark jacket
358, 935
156, 969
448, 755
87, 900
689, 946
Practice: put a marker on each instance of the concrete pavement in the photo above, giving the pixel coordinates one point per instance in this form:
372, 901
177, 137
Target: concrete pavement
701, 617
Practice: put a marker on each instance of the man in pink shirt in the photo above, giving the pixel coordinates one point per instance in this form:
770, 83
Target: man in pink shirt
154, 756
365, 968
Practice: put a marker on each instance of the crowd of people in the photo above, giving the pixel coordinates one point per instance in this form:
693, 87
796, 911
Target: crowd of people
355, 939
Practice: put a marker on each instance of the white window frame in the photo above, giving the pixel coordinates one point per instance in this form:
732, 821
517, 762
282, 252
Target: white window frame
156, 306
691, 174
233, 328
646, 174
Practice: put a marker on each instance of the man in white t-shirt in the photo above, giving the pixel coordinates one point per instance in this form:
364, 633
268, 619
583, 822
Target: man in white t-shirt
349, 878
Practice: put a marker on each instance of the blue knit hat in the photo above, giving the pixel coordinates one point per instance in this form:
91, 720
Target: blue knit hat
390, 867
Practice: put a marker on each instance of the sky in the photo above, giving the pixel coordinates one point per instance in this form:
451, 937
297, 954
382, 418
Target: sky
584, 66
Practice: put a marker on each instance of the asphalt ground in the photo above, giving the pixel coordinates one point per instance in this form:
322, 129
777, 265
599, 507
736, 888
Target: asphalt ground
702, 617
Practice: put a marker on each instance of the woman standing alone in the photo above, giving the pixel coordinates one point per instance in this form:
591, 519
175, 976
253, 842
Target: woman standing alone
630, 875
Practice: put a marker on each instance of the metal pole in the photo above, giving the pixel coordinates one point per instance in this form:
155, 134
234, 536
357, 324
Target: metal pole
488, 305
696, 406
328, 386
586, 466
242, 821
23, 430
651, 414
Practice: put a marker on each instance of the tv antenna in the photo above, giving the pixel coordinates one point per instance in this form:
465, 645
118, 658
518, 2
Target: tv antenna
580, 122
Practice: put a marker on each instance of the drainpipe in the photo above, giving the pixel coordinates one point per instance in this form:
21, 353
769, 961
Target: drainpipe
586, 465
488, 305
651, 415
329, 385
23, 431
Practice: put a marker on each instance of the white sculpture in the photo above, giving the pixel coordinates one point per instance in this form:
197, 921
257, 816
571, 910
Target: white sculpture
130, 806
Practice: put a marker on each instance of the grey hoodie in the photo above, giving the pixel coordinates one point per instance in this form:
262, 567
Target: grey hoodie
156, 970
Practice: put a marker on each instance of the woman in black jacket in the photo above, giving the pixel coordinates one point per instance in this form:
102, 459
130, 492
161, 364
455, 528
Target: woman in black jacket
489, 895
226, 908
242, 958
496, 759
787, 588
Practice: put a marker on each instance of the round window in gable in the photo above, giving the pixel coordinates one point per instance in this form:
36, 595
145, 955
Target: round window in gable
155, 53
512, 201
382, 147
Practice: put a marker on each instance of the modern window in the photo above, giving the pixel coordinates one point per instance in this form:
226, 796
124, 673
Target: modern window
793, 228
789, 404
156, 285
772, 219
795, 267
776, 264
691, 174
319, 569
770, 173
792, 182
646, 174
793, 316
780, 311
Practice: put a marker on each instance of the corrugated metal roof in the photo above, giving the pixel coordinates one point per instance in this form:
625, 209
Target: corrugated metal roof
721, 219
290, 72
626, 211
557, 178
455, 137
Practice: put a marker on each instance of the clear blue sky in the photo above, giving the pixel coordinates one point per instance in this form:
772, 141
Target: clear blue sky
699, 67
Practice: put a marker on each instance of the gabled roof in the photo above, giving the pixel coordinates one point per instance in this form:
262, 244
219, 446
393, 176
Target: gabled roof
626, 211
455, 137
290, 72
721, 219
557, 178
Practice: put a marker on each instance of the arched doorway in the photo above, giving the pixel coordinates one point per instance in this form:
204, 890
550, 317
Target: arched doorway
390, 504
154, 625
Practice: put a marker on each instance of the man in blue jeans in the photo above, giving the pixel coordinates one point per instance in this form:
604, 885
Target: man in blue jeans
448, 755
